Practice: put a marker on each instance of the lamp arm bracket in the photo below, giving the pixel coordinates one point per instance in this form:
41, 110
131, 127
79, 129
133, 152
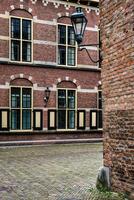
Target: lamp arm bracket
94, 61
88, 45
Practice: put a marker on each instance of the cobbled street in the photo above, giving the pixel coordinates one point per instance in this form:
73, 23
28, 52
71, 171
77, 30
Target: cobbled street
49, 172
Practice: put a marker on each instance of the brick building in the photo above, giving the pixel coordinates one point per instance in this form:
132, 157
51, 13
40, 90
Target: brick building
38, 51
117, 35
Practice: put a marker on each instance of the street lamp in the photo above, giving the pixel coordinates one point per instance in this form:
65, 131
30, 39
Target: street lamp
47, 95
79, 22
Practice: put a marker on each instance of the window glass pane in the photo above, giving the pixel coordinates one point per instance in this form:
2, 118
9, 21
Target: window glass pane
15, 119
15, 50
71, 56
71, 119
61, 98
15, 97
26, 98
62, 55
26, 51
26, 29
61, 119
71, 39
61, 34
71, 99
15, 28
26, 119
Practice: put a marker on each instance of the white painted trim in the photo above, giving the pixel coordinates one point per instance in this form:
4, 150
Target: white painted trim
55, 64
51, 108
92, 28
45, 129
39, 21
48, 22
44, 62
55, 89
54, 23
4, 107
35, 87
4, 59
21, 6
88, 66
87, 109
42, 108
87, 90
73, 4
2, 37
5, 16
12, 7
4, 86
44, 42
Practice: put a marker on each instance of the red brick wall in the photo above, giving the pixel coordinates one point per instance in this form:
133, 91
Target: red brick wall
117, 35
40, 76
43, 31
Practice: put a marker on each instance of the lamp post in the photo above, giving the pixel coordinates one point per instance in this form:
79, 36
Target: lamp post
79, 22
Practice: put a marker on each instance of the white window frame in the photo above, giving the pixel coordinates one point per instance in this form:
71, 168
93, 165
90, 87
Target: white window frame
66, 45
10, 39
21, 130
66, 109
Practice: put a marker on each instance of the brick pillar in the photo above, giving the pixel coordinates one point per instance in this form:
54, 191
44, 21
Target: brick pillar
117, 36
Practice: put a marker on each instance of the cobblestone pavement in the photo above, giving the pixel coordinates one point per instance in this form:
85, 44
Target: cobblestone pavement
49, 172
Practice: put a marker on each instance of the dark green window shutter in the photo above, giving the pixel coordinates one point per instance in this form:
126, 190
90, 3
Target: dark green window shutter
37, 119
52, 119
100, 119
93, 119
4, 119
81, 119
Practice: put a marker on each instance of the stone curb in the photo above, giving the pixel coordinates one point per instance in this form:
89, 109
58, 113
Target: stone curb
42, 142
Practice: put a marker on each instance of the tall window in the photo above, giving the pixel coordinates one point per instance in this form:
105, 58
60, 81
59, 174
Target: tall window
66, 109
21, 40
100, 109
21, 108
66, 46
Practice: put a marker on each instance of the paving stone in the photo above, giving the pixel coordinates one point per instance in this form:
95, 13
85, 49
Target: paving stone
49, 172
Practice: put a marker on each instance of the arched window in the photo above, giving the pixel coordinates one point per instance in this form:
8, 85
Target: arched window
66, 105
21, 105
66, 45
20, 36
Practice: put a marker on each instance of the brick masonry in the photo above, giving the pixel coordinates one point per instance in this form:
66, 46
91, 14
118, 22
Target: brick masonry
117, 35
44, 70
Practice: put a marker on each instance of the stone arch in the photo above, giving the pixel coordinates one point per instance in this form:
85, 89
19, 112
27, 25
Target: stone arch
63, 18
21, 82
66, 84
68, 79
21, 12
21, 76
